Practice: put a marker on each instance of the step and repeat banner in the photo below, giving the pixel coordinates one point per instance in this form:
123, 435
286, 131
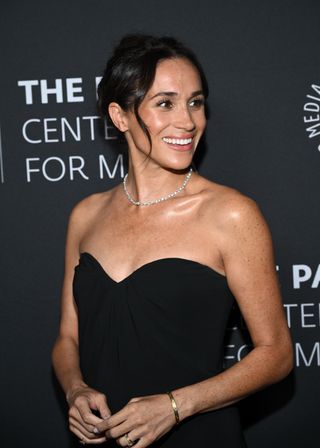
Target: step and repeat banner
262, 61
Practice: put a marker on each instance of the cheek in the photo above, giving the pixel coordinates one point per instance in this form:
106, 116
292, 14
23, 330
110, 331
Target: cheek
155, 122
201, 121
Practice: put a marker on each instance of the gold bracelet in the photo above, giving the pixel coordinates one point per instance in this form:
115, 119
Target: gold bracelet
174, 407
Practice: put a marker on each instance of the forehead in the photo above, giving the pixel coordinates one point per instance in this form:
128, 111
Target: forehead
175, 75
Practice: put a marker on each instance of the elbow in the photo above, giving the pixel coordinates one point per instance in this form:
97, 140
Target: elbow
290, 359
288, 364
285, 362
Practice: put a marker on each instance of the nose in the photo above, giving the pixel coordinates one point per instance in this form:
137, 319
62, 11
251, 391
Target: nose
184, 119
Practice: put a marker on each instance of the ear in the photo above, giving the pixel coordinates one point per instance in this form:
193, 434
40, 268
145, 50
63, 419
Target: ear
118, 116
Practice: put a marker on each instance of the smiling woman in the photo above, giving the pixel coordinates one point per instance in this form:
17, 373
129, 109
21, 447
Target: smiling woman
172, 113
131, 71
152, 270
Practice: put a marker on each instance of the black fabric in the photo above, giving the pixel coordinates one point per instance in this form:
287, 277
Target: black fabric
159, 329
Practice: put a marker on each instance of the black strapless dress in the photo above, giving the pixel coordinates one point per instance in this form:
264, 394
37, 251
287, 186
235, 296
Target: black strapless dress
159, 329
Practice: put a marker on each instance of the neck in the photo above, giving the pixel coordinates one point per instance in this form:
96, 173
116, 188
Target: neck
146, 183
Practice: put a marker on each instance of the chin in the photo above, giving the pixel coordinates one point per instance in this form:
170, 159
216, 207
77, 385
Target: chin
179, 165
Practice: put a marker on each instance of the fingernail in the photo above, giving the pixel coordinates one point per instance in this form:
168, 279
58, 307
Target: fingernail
96, 430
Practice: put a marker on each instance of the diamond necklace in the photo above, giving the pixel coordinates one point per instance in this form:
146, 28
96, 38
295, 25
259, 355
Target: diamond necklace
156, 201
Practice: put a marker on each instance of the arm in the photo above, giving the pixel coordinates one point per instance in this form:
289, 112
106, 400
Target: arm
247, 253
65, 355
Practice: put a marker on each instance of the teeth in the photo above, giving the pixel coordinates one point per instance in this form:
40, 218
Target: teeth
177, 141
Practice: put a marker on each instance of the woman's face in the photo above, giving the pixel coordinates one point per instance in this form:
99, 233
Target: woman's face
173, 111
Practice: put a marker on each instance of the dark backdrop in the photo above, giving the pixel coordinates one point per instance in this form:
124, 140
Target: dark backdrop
263, 138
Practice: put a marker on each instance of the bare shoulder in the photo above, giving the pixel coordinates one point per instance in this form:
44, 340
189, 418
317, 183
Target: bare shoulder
84, 214
91, 205
232, 213
245, 241
226, 203
89, 208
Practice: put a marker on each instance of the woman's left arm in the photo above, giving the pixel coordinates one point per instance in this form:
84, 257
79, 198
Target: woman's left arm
247, 253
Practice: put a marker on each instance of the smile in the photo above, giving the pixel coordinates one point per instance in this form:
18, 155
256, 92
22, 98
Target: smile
177, 141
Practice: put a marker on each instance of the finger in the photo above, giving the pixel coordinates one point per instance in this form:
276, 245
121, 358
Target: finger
89, 434
85, 412
111, 422
120, 430
76, 416
84, 439
143, 442
100, 405
140, 436
127, 439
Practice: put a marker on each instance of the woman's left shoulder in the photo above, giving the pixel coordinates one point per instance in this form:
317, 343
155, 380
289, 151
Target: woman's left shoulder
236, 222
227, 206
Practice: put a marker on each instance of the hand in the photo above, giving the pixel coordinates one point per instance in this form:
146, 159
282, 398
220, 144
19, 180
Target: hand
142, 421
82, 421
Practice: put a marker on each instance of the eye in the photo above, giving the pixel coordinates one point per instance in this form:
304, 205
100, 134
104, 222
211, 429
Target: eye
196, 103
165, 104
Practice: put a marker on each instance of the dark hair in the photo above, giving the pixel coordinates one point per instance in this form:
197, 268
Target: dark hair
130, 71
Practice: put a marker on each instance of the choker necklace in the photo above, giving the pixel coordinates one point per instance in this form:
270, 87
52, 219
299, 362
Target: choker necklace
156, 201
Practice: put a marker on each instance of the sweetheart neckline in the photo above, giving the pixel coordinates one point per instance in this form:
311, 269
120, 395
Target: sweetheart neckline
158, 260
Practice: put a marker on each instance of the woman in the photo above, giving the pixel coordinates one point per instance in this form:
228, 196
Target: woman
162, 257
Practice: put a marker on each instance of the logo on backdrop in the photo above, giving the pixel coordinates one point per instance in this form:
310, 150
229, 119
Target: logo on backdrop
311, 114
63, 146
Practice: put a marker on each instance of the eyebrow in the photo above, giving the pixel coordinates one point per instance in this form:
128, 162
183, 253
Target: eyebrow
197, 92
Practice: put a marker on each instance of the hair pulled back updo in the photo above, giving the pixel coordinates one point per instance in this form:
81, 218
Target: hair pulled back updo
131, 70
